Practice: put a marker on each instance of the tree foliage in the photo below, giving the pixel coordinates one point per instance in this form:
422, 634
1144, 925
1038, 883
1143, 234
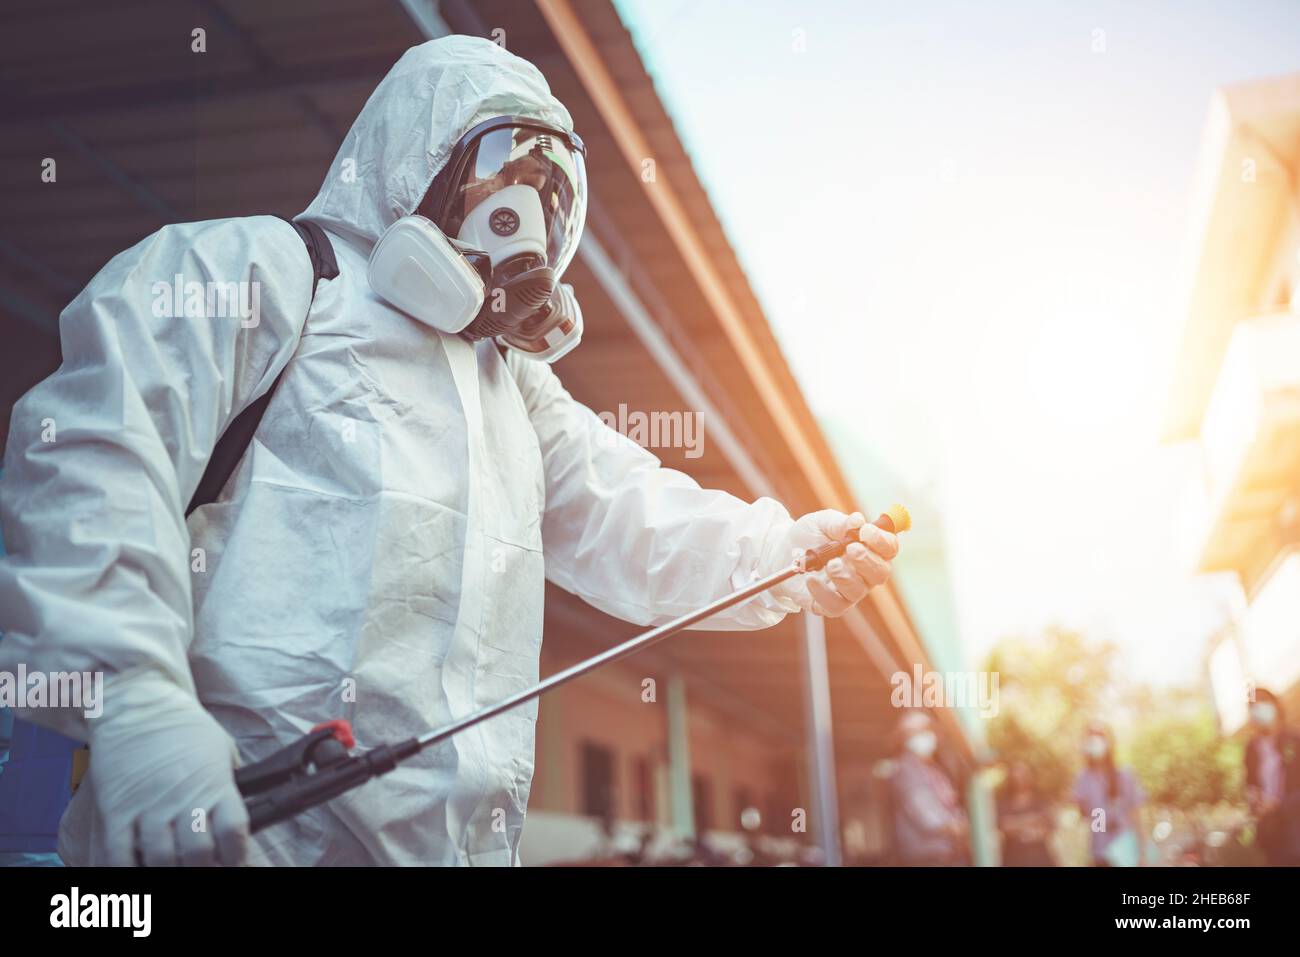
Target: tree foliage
1049, 686
1179, 757
1052, 685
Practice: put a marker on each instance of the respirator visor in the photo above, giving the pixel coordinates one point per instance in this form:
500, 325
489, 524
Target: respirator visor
512, 152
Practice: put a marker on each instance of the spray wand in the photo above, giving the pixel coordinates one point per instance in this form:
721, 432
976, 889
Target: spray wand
320, 766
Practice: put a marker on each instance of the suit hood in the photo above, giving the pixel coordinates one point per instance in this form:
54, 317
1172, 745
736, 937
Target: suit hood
406, 131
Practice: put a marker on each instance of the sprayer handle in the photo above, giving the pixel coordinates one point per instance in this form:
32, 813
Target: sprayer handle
895, 520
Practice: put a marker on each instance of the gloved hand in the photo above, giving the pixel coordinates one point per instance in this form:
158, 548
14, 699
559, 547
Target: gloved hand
158, 757
844, 581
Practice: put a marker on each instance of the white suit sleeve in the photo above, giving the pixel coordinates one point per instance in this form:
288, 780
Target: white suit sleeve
636, 540
104, 455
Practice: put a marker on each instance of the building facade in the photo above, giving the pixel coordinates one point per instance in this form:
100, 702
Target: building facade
1236, 391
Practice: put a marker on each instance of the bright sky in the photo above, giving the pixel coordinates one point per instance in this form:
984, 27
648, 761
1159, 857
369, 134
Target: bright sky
970, 231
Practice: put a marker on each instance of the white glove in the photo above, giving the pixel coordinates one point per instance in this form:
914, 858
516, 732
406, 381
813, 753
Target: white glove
158, 758
844, 581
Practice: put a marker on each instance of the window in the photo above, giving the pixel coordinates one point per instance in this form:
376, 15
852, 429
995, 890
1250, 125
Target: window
596, 763
702, 800
643, 795
777, 819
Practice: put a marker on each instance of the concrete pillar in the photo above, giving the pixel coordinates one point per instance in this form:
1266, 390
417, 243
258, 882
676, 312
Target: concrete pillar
821, 745
682, 811
980, 810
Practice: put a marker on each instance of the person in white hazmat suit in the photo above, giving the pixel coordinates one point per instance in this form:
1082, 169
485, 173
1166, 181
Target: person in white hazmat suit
380, 551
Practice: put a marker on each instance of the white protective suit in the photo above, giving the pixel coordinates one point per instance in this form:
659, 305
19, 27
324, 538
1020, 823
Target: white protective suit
379, 553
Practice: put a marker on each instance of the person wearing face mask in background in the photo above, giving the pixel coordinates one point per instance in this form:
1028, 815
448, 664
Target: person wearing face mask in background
1024, 819
1110, 800
930, 826
1272, 761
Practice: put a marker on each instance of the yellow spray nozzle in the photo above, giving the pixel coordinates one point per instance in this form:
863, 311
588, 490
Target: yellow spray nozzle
900, 516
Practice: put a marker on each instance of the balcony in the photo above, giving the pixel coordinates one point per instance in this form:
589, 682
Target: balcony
1251, 437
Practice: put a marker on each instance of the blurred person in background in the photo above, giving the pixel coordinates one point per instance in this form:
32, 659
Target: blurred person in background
1111, 801
930, 826
1273, 780
1024, 819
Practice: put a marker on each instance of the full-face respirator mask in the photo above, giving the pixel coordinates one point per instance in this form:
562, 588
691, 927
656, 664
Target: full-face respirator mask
513, 194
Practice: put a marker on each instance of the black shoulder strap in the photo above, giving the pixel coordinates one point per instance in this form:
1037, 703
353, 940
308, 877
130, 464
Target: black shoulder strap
235, 440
